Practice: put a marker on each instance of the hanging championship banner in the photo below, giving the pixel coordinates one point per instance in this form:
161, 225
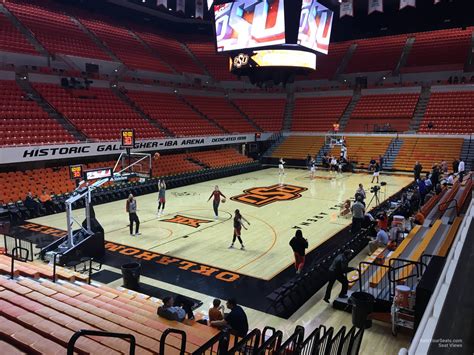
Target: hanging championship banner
162, 2
180, 4
346, 8
199, 8
375, 5
405, 3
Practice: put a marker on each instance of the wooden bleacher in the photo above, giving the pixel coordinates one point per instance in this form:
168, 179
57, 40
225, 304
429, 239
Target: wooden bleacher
428, 151
363, 149
298, 147
40, 316
448, 240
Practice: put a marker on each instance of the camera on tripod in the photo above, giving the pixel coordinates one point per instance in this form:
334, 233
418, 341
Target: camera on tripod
375, 189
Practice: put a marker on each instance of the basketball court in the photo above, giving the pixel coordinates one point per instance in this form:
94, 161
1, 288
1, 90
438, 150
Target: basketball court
274, 205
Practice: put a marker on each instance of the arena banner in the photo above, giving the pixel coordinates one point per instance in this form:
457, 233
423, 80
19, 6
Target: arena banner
162, 2
199, 8
180, 5
9, 155
346, 9
405, 3
375, 5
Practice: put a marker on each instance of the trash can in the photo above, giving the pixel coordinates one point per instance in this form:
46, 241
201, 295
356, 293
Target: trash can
131, 275
362, 305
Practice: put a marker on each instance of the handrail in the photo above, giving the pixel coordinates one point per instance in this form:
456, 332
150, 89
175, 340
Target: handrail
14, 255
271, 344
295, 340
253, 337
54, 265
221, 340
175, 331
86, 332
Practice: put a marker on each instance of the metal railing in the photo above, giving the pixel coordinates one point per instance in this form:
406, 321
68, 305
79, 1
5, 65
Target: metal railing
336, 343
293, 343
311, 343
169, 331
406, 272
248, 345
271, 344
374, 279
217, 345
80, 333
18, 257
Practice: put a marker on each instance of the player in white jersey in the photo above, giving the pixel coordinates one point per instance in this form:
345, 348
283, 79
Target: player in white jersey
312, 169
281, 167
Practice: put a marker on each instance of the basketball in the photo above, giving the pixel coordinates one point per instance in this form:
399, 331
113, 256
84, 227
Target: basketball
156, 156
223, 200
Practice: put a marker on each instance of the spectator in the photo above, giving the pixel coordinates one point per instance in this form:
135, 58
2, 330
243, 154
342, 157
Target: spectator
299, 244
178, 313
422, 190
455, 165
380, 241
461, 169
435, 172
236, 320
450, 179
381, 162
216, 312
419, 218
417, 170
337, 271
382, 220
47, 202
32, 204
358, 212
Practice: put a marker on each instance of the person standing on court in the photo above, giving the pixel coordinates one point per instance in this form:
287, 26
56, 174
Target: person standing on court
299, 244
337, 271
131, 208
417, 170
161, 197
358, 212
461, 169
217, 200
238, 218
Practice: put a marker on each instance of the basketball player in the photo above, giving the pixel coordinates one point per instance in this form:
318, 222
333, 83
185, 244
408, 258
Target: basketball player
161, 197
376, 172
312, 169
237, 229
131, 208
281, 167
217, 200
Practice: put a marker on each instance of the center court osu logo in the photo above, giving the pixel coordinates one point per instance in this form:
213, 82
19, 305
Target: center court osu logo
187, 221
262, 196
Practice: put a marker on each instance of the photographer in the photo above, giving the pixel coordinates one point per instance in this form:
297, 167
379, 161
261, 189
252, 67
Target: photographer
358, 212
361, 192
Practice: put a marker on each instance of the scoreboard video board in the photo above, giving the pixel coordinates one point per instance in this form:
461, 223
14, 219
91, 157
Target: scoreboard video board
273, 24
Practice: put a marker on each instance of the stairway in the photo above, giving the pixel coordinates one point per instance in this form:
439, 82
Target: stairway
196, 60
125, 99
182, 99
279, 140
347, 57
288, 113
420, 109
25, 31
95, 39
348, 111
467, 154
244, 115
391, 153
404, 56
153, 51
469, 65
25, 85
